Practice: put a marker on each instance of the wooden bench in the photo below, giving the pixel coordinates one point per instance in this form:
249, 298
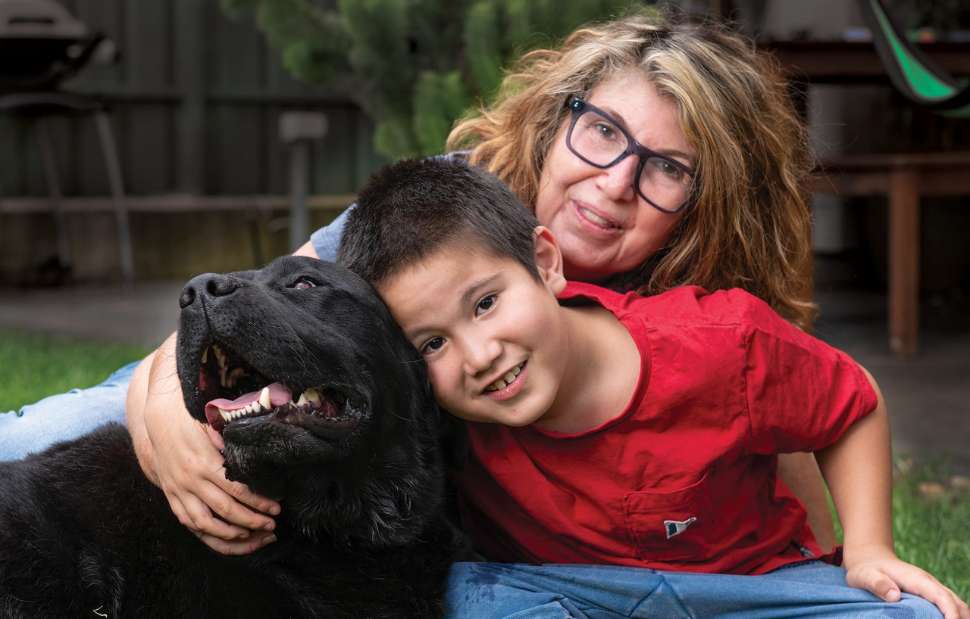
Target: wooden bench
904, 178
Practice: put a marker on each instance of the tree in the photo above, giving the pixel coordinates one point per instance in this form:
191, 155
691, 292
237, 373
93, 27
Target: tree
414, 66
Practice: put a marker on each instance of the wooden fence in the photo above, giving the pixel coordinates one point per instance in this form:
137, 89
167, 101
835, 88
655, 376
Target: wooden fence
195, 98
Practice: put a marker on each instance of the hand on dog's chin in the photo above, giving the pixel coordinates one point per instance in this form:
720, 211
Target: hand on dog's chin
215, 438
268, 490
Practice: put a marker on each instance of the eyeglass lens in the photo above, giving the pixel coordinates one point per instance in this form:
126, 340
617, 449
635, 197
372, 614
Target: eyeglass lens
599, 141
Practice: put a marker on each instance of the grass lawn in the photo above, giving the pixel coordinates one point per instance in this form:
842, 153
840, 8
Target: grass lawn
932, 509
36, 365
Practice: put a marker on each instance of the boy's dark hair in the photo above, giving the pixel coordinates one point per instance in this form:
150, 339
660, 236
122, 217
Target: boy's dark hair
410, 209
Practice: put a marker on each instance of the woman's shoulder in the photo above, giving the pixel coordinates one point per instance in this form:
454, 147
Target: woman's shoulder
697, 305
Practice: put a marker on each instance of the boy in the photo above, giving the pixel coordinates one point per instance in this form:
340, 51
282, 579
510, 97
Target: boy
625, 430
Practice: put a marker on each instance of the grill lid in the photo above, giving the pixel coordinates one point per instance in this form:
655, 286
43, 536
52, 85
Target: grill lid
38, 19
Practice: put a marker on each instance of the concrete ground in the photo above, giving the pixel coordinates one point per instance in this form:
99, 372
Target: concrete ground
928, 395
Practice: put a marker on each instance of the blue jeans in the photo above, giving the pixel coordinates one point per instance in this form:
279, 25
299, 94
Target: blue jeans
64, 416
812, 589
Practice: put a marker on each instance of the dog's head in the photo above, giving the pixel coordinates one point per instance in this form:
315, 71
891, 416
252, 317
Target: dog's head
320, 399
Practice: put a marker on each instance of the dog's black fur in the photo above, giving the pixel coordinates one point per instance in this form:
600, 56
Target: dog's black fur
360, 477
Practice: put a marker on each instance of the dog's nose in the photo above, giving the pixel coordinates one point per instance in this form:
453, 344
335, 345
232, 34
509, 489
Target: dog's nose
207, 284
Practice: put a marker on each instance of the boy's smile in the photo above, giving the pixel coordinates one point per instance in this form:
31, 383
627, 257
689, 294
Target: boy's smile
494, 337
509, 384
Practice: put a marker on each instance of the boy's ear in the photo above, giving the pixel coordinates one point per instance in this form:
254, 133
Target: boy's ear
548, 259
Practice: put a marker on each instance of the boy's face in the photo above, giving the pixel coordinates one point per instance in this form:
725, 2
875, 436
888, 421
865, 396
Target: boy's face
493, 337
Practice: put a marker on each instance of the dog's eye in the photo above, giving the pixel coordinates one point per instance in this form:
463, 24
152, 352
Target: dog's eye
303, 283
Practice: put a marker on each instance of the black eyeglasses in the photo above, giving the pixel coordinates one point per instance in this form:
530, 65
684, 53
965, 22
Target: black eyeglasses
598, 139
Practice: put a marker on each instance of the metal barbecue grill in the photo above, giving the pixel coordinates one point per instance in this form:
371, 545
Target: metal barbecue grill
41, 45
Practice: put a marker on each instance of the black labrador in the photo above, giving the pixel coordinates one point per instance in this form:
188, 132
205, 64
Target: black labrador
322, 403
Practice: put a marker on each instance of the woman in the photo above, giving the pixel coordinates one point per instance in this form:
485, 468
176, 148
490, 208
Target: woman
701, 103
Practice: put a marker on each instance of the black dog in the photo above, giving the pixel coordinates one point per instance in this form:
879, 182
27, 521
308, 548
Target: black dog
322, 403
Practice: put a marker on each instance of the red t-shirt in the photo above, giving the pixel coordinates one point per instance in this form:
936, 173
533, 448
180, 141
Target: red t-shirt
685, 477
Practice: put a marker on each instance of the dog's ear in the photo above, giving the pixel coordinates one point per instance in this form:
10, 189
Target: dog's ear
453, 438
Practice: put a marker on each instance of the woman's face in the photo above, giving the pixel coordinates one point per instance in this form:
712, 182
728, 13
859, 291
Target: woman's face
602, 225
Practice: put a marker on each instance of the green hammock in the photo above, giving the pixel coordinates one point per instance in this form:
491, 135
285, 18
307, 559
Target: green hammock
914, 74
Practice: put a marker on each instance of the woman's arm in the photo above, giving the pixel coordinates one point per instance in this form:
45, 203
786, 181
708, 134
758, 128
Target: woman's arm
181, 456
178, 454
800, 473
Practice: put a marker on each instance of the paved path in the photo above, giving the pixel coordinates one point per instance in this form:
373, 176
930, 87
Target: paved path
141, 314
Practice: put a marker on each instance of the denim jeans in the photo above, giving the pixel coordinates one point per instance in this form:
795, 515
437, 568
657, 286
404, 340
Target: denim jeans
811, 589
64, 416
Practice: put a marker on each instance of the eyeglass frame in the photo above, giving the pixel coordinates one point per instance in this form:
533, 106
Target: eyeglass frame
578, 106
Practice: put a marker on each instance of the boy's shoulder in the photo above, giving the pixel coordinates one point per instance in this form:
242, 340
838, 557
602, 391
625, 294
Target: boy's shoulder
683, 305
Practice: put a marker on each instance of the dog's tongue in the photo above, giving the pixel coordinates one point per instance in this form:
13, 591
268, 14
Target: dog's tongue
278, 396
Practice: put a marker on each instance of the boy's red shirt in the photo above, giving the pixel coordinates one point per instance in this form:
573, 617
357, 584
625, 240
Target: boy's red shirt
685, 477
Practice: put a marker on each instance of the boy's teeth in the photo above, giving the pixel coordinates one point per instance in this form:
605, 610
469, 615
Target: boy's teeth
504, 382
499, 384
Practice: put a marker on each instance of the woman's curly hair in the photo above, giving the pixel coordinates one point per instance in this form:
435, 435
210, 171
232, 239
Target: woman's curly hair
749, 224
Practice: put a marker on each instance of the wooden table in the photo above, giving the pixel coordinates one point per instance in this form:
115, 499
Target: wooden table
904, 178
850, 62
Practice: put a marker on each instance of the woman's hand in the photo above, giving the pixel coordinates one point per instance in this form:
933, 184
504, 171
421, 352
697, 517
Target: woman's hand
879, 571
182, 457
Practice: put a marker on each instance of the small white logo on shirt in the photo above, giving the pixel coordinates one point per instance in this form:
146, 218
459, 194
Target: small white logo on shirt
676, 527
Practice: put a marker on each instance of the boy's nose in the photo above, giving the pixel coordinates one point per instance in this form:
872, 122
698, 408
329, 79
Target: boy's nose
480, 355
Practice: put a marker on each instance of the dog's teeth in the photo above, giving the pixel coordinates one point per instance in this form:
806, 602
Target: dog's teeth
235, 375
205, 355
220, 356
302, 400
312, 396
226, 415
264, 400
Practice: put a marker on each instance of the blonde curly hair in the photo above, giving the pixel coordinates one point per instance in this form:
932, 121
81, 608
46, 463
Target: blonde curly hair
749, 223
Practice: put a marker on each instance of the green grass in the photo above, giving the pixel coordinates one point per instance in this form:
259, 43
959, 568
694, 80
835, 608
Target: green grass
37, 365
932, 522
933, 533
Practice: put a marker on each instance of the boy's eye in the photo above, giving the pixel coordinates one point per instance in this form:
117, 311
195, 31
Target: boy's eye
486, 303
432, 345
